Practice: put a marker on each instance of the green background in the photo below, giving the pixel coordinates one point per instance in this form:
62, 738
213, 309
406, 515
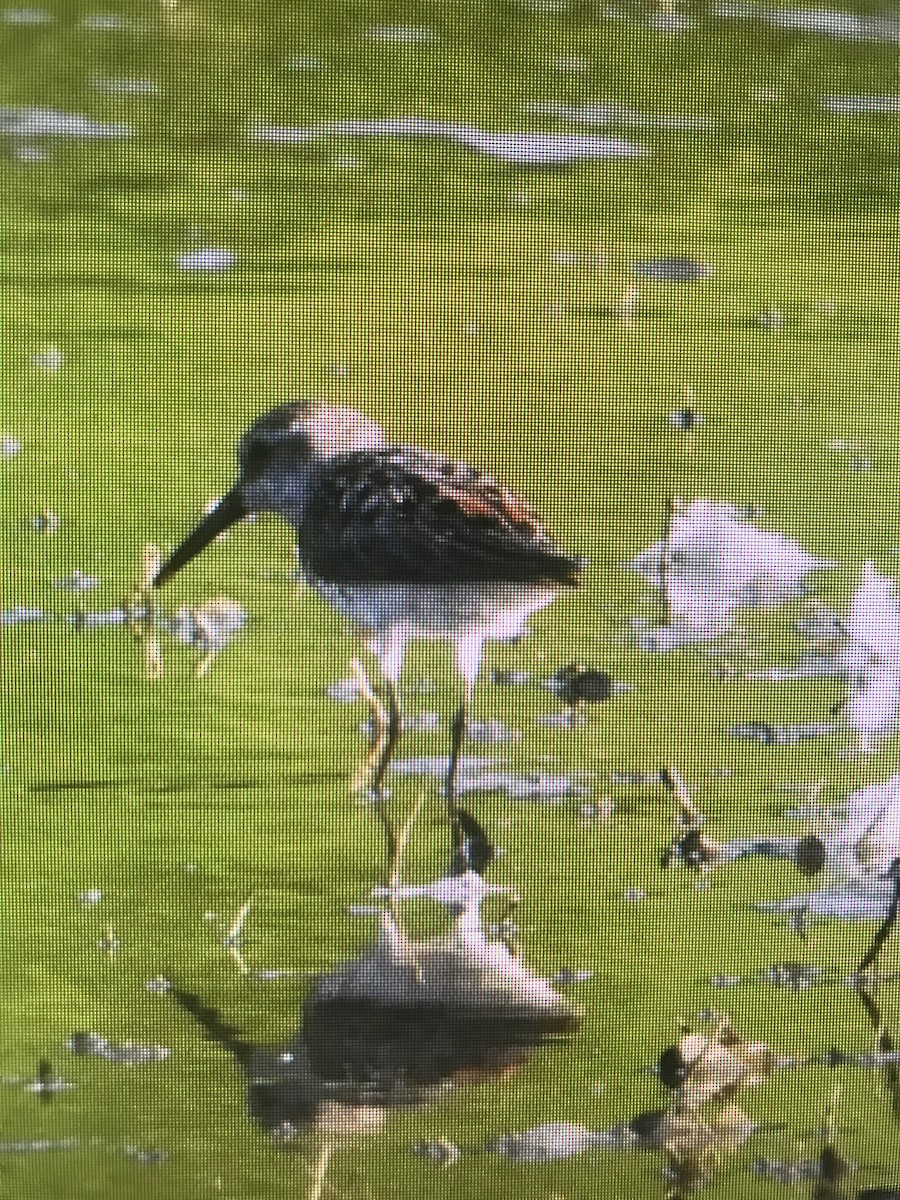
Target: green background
422, 283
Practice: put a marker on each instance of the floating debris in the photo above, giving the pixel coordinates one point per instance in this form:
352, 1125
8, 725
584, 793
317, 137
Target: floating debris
512, 678
159, 985
126, 1054
667, 19
685, 419
570, 975
107, 23
849, 903
442, 1151
781, 735
110, 943
93, 896
525, 149
789, 1173
461, 893
713, 562
618, 115
828, 22
50, 359
672, 270
77, 582
636, 778
482, 775
304, 62
600, 810
97, 620
209, 627
491, 732
771, 319
276, 974
873, 630
853, 105
402, 34
424, 722
147, 1158
46, 522
124, 87
39, 1145
22, 616
32, 154
46, 1084
25, 16
9, 446
28, 122
207, 259
546, 1143
793, 977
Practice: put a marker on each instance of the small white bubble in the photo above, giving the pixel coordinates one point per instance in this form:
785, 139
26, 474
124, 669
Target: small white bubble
207, 259
50, 359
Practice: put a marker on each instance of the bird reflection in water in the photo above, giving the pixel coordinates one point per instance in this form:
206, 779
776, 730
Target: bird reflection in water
704, 1124
402, 1024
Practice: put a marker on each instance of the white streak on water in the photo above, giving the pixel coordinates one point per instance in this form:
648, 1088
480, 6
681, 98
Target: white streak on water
526, 149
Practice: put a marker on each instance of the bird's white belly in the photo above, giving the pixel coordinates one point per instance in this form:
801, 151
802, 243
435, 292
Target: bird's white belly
497, 612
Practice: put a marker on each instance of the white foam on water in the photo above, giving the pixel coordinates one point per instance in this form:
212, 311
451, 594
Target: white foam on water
873, 629
848, 904
401, 34
112, 23
51, 122
207, 259
547, 1143
124, 87
610, 114
713, 562
527, 148
854, 105
25, 16
829, 22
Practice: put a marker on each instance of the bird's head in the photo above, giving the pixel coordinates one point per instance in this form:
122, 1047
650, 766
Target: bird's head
278, 459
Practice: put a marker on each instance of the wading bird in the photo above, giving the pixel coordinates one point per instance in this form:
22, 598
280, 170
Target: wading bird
405, 543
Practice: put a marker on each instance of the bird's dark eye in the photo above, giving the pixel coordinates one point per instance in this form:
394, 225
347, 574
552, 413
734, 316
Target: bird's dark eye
254, 455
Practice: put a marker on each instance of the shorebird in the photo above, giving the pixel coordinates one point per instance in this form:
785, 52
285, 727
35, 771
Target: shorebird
405, 543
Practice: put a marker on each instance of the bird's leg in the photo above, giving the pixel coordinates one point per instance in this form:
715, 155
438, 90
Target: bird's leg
389, 735
379, 724
141, 613
457, 730
371, 775
890, 920
387, 721
468, 658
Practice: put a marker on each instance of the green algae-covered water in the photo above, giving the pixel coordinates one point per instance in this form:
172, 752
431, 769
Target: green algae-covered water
474, 224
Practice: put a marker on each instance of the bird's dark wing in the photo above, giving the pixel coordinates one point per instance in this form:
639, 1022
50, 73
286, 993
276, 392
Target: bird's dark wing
403, 515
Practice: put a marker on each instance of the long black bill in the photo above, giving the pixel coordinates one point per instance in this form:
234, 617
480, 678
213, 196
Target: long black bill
229, 509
